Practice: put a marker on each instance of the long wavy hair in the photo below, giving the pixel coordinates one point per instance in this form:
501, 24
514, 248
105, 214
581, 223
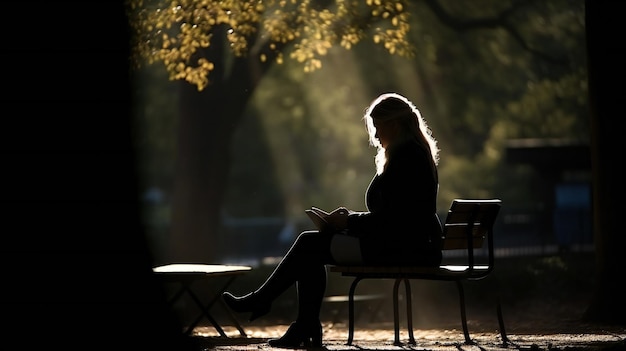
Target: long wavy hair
393, 106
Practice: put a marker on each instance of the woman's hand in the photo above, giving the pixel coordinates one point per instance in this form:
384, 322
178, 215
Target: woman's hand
338, 218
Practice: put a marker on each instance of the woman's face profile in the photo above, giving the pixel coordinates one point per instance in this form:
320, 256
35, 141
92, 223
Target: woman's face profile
385, 131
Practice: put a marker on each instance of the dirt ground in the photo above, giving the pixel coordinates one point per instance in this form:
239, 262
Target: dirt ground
381, 337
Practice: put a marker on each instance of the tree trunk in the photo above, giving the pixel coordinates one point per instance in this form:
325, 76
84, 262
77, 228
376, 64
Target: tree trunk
201, 172
208, 119
606, 76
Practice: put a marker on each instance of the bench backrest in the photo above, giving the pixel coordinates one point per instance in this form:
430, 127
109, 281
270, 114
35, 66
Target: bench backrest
475, 217
468, 224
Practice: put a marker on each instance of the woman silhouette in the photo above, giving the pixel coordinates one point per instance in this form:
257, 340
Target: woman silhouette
400, 225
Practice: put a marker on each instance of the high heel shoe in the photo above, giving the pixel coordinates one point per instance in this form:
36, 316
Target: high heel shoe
298, 335
248, 303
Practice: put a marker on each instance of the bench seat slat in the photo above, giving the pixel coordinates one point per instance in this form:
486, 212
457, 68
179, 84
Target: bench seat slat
392, 270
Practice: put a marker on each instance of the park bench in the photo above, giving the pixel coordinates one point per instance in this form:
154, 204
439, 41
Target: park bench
468, 226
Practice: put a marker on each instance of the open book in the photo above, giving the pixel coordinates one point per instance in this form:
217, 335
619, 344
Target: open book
318, 217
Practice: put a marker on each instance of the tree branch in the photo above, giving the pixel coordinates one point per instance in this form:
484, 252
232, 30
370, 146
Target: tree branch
499, 21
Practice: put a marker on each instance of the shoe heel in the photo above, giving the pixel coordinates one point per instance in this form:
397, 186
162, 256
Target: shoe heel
299, 335
315, 338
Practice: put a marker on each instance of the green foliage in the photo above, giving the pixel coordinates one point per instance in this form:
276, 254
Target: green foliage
562, 105
498, 70
175, 31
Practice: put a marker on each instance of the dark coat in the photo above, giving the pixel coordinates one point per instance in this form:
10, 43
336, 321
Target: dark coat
401, 225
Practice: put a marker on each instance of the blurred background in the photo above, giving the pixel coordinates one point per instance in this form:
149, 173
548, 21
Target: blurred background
502, 84
228, 165
223, 154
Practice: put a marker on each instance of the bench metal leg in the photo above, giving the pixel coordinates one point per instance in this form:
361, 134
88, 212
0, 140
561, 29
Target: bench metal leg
351, 310
459, 286
409, 311
396, 317
505, 338
396, 312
